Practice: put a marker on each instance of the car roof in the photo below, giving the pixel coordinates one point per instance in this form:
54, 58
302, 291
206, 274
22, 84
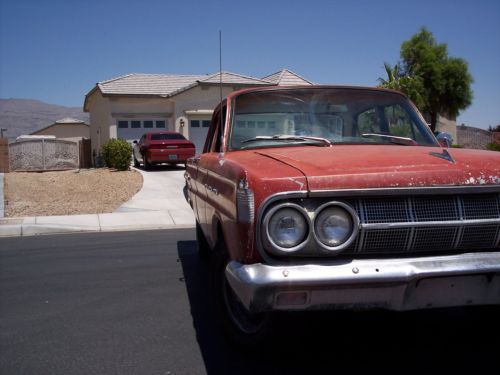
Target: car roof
315, 87
163, 132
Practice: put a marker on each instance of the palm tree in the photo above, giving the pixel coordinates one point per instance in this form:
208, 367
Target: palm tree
396, 80
393, 74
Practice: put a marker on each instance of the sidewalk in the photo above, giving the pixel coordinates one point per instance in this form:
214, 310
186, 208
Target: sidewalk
2, 207
160, 204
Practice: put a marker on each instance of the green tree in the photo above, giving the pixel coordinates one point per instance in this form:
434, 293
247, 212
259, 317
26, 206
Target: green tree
412, 86
446, 81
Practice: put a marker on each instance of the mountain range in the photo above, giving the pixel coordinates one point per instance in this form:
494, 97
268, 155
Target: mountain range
24, 116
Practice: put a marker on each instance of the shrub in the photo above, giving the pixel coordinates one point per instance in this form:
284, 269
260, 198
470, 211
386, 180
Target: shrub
493, 146
117, 153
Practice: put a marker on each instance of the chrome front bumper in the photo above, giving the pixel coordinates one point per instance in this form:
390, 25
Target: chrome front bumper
393, 284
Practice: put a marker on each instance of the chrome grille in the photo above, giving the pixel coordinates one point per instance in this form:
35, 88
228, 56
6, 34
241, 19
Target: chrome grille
376, 241
382, 211
479, 236
398, 225
480, 207
426, 209
434, 238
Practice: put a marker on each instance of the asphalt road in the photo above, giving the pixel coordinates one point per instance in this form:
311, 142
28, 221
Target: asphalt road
137, 303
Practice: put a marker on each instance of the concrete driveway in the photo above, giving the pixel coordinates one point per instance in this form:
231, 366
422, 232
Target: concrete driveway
162, 190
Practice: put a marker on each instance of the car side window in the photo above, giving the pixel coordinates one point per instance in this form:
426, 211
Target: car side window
220, 131
213, 130
214, 138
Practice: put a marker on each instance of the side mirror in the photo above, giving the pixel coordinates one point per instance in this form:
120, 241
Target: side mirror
445, 139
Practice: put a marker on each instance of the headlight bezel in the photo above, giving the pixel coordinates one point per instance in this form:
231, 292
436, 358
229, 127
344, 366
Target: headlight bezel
311, 246
270, 245
354, 226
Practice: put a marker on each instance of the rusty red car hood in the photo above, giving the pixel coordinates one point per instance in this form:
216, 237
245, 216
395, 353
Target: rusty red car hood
365, 166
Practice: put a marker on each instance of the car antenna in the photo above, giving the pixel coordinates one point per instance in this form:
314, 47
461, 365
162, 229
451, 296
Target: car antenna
220, 90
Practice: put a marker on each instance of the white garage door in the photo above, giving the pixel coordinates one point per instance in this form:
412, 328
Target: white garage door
198, 130
134, 129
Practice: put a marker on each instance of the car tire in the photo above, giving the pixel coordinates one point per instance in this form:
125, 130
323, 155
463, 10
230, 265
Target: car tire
240, 327
136, 162
146, 164
202, 246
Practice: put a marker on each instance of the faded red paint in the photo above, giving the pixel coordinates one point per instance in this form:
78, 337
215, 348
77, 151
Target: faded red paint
269, 171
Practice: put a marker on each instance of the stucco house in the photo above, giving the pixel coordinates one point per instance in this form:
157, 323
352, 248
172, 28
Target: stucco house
66, 128
128, 106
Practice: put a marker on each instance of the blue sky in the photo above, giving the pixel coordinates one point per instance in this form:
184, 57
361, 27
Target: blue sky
56, 50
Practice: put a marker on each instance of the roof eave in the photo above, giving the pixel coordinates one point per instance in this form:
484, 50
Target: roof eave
87, 96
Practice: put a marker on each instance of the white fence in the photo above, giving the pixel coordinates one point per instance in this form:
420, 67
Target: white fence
43, 155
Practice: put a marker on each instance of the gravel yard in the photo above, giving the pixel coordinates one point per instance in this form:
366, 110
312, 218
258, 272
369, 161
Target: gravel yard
84, 191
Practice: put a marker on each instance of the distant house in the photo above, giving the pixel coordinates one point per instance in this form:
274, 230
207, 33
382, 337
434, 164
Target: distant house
128, 106
66, 128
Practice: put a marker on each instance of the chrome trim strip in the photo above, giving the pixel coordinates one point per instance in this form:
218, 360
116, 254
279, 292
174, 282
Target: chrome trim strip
458, 234
429, 224
361, 230
411, 235
258, 284
432, 190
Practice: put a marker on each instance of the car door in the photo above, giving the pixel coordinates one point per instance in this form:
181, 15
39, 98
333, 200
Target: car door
207, 193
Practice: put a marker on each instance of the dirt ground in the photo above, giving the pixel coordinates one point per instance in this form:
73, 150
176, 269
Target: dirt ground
84, 191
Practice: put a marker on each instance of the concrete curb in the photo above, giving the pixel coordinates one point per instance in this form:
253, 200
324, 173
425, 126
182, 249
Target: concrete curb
112, 222
2, 196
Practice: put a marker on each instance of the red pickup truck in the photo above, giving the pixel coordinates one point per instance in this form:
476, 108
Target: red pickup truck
339, 198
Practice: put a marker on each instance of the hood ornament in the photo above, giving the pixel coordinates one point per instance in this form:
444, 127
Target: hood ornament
443, 155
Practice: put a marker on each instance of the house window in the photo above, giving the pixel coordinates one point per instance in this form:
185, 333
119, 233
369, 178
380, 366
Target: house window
135, 124
195, 123
205, 123
148, 124
160, 124
122, 124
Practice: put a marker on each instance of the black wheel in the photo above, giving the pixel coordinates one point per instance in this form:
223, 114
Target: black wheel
202, 245
238, 325
136, 162
145, 162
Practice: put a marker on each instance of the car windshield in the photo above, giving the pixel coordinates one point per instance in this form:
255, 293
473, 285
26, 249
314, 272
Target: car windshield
166, 136
273, 118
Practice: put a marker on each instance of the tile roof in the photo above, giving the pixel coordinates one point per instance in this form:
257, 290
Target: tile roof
69, 120
169, 85
286, 77
147, 84
228, 77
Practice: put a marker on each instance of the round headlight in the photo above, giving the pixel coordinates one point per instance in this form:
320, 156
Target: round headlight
287, 227
334, 225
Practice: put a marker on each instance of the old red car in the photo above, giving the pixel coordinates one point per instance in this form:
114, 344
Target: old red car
340, 198
162, 147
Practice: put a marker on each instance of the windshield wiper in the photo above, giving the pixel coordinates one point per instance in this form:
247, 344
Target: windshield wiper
392, 138
285, 137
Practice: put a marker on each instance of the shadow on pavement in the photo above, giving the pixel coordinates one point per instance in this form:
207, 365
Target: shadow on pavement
328, 342
162, 168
